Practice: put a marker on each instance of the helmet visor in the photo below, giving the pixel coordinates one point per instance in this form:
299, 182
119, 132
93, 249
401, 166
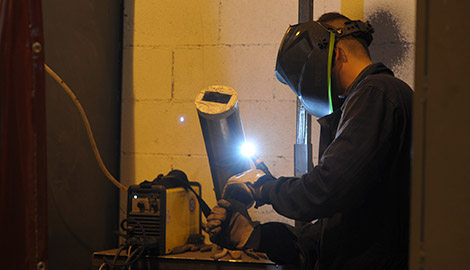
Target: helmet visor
292, 55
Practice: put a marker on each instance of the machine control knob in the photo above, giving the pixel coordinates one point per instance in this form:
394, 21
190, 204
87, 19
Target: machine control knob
154, 207
141, 206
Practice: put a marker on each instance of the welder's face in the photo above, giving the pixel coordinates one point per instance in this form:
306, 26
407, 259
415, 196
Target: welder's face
335, 84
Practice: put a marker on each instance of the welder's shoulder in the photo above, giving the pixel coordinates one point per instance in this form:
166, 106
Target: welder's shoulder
390, 87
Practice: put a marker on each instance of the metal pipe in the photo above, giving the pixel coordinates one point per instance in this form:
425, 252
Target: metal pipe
222, 128
303, 147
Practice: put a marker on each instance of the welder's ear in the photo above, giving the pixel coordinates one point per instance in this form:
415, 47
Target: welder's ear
339, 55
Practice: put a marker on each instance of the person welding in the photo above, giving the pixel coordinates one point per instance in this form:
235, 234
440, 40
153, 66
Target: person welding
360, 190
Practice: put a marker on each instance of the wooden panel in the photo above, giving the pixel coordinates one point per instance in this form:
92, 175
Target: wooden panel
23, 201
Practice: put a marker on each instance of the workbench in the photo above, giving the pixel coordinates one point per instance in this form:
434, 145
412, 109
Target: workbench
191, 260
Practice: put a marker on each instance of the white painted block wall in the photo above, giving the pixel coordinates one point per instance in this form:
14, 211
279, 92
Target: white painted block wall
173, 49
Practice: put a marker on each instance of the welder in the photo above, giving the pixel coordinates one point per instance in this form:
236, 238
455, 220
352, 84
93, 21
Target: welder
359, 190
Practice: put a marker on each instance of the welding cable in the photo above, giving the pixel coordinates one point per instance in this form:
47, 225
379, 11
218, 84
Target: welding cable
127, 220
94, 147
115, 258
102, 266
131, 258
129, 251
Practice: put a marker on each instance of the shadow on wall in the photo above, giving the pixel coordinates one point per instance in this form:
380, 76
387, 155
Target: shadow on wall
127, 172
389, 45
127, 131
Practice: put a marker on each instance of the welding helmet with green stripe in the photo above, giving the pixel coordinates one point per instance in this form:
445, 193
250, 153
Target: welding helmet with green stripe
305, 59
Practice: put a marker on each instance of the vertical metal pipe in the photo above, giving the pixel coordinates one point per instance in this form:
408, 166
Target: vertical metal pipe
303, 145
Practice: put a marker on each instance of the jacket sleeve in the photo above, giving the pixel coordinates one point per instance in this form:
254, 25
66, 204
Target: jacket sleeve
350, 166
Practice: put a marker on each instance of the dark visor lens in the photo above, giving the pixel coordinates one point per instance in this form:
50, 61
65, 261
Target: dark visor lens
293, 54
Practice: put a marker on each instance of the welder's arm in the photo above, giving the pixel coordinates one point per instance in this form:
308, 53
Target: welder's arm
349, 166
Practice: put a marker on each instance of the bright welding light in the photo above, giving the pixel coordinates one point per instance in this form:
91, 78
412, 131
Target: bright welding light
248, 150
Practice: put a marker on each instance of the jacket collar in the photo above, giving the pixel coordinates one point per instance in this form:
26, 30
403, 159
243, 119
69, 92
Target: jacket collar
375, 68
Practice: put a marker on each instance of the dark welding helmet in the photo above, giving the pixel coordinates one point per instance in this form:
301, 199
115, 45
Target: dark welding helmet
305, 59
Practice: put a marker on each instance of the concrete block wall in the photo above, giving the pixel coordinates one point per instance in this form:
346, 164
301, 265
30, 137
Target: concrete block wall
173, 49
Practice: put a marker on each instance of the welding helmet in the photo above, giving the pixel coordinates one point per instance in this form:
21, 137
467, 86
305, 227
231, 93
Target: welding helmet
305, 59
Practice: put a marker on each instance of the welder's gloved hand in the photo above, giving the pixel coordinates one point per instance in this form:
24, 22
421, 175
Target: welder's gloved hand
229, 225
245, 187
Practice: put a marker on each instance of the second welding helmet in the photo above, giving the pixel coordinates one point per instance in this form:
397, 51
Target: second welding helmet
305, 59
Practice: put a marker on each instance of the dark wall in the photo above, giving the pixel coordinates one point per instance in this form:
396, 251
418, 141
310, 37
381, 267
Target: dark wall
82, 45
440, 219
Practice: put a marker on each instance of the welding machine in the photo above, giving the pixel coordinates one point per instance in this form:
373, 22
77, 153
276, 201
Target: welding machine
164, 212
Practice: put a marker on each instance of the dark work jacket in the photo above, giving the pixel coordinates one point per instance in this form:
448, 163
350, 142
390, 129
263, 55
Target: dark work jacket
360, 189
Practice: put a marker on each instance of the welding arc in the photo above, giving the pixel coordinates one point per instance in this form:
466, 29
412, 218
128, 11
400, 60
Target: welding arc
87, 127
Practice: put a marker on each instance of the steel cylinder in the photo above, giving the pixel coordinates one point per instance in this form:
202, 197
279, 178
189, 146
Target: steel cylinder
222, 129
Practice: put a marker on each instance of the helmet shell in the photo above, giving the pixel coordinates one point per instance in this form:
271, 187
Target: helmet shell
302, 63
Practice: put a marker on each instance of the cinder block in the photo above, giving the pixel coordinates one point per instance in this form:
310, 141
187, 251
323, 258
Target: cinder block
280, 165
197, 168
147, 73
323, 6
156, 128
247, 69
394, 37
189, 72
282, 91
271, 125
392, 19
398, 57
128, 135
262, 21
168, 22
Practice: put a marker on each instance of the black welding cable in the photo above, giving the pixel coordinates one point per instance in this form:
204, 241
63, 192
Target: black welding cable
116, 256
94, 147
132, 258
127, 220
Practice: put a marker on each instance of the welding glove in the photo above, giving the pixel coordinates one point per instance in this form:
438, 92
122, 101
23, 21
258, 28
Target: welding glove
246, 187
229, 225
